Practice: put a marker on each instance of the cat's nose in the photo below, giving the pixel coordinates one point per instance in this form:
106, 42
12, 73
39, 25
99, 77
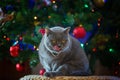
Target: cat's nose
59, 45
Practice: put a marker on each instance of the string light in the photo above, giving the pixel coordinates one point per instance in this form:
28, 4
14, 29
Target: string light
98, 24
99, 20
94, 49
15, 43
86, 6
82, 45
8, 39
81, 25
111, 50
119, 63
35, 17
4, 36
93, 10
53, 1
37, 49
86, 43
49, 17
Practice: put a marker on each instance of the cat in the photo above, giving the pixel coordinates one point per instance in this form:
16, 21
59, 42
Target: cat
61, 54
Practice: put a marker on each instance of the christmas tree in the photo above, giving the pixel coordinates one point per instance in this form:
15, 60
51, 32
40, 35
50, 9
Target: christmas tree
104, 44
23, 23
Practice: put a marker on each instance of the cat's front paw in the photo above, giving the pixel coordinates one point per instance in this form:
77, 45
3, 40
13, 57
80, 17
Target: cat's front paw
50, 74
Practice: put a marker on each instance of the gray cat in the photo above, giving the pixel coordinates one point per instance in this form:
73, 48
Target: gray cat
61, 55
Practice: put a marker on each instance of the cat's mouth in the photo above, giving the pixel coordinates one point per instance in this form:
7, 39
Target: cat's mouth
56, 48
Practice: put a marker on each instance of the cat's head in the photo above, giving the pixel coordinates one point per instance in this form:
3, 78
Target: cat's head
57, 38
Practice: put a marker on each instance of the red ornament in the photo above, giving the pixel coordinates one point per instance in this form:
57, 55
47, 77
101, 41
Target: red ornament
20, 38
42, 31
14, 51
79, 32
8, 39
94, 50
42, 71
19, 67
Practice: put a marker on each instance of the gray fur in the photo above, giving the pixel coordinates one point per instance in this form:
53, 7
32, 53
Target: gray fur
71, 60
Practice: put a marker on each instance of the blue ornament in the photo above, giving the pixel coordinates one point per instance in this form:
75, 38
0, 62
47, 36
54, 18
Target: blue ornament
23, 46
85, 39
31, 47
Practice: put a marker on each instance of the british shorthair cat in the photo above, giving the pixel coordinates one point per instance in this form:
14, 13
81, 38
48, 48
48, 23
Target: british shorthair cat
61, 54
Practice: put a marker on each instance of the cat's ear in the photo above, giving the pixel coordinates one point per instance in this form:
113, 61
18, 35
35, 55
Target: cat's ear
48, 31
67, 30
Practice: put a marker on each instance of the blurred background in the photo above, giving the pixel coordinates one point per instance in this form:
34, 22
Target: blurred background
95, 23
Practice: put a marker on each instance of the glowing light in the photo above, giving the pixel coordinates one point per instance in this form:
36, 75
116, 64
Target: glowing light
94, 49
98, 24
93, 10
82, 45
49, 16
119, 63
86, 43
81, 25
86, 6
8, 39
37, 49
15, 43
4, 36
111, 50
53, 1
35, 17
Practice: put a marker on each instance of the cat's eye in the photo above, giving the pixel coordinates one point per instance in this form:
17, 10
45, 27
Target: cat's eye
63, 41
53, 41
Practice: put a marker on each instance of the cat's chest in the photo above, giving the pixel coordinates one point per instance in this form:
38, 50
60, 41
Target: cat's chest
51, 64
56, 60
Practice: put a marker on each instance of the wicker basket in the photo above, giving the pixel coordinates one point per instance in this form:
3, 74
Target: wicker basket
38, 77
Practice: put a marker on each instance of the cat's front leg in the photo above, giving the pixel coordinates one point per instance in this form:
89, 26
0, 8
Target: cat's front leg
53, 73
60, 71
